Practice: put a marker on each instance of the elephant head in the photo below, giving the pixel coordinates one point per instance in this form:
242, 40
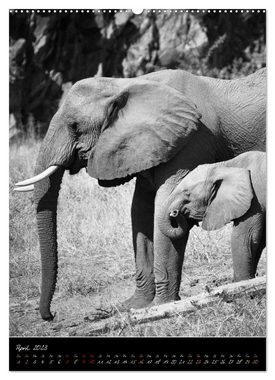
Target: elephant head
213, 194
113, 127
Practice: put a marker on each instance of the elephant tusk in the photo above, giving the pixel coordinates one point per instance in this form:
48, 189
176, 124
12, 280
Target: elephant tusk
46, 173
24, 188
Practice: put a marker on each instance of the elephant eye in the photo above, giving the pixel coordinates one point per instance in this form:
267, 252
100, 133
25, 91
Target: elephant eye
74, 126
74, 130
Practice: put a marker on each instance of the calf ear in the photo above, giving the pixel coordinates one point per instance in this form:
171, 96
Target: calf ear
153, 123
232, 195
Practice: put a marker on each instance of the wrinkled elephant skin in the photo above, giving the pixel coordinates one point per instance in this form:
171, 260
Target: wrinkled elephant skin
216, 194
156, 127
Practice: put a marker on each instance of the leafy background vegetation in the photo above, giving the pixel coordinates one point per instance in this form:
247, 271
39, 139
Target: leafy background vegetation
96, 264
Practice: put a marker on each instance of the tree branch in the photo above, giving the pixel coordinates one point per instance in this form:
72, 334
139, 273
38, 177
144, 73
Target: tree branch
225, 293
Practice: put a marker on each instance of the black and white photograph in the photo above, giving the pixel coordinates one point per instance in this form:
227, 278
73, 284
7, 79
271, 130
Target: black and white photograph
137, 172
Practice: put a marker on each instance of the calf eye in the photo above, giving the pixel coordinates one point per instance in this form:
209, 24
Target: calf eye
73, 126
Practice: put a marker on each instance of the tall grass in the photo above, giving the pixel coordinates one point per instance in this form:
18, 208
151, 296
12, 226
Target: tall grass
96, 262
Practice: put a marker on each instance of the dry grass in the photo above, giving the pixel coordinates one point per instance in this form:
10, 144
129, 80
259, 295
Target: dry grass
96, 264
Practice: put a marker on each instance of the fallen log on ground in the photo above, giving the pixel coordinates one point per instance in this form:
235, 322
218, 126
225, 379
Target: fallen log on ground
225, 293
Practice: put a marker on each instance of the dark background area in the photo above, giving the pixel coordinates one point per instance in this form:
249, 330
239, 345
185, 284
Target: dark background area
50, 52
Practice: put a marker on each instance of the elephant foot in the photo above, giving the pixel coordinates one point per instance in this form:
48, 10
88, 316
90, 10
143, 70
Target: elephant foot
242, 277
135, 302
46, 314
161, 300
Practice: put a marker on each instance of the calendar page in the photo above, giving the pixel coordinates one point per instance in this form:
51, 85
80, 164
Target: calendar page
137, 189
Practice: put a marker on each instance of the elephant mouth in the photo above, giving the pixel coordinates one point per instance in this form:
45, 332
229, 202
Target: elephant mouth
76, 167
79, 161
190, 221
173, 221
193, 222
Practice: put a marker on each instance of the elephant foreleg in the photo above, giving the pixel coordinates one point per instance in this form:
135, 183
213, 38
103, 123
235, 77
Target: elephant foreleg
142, 225
247, 242
168, 266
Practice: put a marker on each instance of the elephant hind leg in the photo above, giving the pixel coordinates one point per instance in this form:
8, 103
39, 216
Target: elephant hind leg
247, 242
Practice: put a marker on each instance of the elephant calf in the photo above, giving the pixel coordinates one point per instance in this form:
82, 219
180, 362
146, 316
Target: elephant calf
216, 194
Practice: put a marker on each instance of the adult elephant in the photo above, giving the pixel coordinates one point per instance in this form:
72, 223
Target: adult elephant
156, 127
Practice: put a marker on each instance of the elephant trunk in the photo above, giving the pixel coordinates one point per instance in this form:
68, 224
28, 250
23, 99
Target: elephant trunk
171, 222
46, 196
46, 193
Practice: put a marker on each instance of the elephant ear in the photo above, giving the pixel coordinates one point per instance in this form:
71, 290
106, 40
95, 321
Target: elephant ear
154, 121
232, 194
